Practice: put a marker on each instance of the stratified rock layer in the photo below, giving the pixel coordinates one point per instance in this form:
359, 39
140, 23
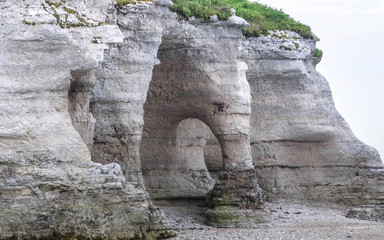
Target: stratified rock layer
74, 82
302, 148
121, 90
199, 77
49, 187
196, 79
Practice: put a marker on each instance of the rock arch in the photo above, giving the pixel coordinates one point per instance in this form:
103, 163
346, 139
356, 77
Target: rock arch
200, 77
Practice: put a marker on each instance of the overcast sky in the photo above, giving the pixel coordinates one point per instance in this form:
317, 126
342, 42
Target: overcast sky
352, 38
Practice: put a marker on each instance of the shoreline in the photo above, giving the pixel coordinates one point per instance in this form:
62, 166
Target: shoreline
289, 221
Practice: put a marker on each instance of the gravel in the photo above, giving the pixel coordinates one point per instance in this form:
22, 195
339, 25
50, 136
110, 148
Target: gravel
289, 221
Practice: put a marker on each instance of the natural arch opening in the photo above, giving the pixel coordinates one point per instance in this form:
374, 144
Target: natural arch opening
192, 82
200, 77
172, 155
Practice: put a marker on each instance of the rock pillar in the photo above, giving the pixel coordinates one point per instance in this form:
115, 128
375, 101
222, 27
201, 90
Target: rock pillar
121, 90
302, 148
199, 77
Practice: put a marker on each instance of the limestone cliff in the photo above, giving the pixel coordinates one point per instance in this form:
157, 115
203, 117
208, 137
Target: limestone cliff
302, 147
48, 184
173, 109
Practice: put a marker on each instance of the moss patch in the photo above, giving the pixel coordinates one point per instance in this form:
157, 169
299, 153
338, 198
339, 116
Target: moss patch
162, 234
223, 216
29, 23
226, 200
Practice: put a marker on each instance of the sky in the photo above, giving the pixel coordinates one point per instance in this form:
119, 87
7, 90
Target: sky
351, 36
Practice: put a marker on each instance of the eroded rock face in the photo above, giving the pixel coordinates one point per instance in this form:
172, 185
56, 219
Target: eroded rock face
48, 183
301, 146
121, 90
216, 102
200, 77
196, 79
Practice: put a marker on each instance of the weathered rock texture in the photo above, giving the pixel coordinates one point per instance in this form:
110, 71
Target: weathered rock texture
200, 77
301, 146
73, 96
196, 79
48, 184
121, 89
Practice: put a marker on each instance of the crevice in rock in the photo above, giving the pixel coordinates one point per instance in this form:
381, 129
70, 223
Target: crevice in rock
78, 104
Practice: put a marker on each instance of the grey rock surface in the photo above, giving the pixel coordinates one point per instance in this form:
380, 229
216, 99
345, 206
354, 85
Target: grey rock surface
120, 92
200, 81
301, 146
372, 213
48, 184
105, 108
198, 77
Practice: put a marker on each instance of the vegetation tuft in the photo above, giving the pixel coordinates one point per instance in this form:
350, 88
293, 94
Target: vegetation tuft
29, 23
318, 53
261, 17
122, 3
202, 8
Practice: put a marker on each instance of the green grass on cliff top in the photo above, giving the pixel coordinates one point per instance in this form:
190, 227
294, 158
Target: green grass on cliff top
261, 17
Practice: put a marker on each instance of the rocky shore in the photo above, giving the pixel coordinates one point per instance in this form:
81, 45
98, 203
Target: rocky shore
305, 221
